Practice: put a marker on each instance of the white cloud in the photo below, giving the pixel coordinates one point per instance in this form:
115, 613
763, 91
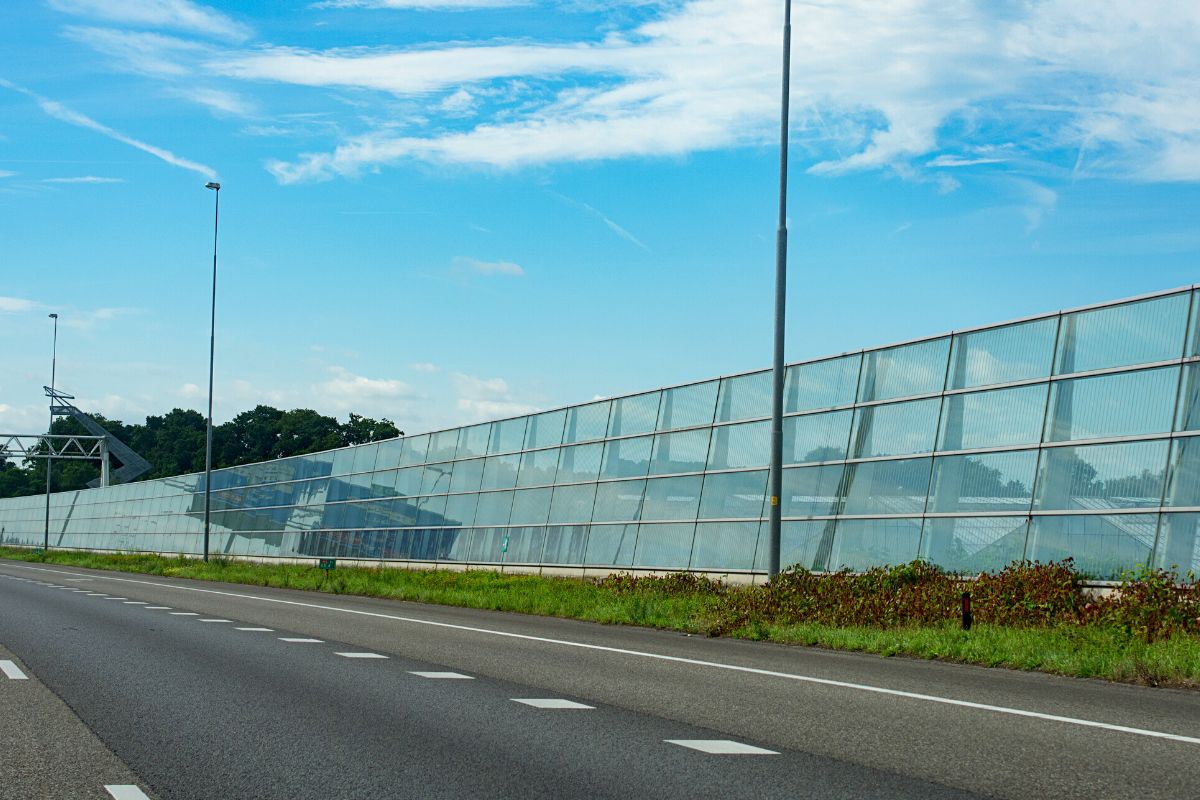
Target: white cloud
490, 267
424, 366
87, 320
458, 103
6, 174
487, 398
217, 100
174, 14
12, 305
608, 223
346, 391
421, 5
84, 179
959, 161
190, 391
65, 114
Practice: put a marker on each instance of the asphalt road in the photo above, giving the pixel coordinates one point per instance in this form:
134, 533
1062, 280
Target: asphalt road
205, 709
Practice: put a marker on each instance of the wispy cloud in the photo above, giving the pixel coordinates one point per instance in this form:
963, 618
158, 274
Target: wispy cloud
84, 179
421, 5
489, 267
6, 174
608, 222
959, 161
424, 366
12, 305
175, 14
64, 114
487, 398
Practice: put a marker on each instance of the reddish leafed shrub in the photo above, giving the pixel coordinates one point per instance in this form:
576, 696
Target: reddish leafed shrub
1152, 605
1031, 593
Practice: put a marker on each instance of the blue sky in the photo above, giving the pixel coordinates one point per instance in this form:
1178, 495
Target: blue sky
441, 211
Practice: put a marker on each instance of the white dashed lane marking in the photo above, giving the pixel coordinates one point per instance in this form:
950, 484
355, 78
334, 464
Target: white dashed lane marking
134, 603
125, 791
184, 614
299, 640
214, 620
453, 676
360, 655
264, 630
12, 671
116, 598
722, 747
158, 608
550, 702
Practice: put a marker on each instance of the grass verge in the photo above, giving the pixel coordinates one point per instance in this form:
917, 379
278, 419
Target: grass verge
1105, 652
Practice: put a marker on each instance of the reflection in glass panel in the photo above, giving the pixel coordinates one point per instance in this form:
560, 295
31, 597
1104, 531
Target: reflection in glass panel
343, 463
390, 452
573, 503
414, 451
525, 545
487, 544
970, 545
983, 482
500, 472
665, 546
864, 543
735, 446
685, 451
565, 543
725, 545
672, 498
473, 441
1102, 546
816, 437
460, 509
408, 481
530, 507
895, 429
442, 445
538, 467
626, 458
1125, 404
508, 435
811, 491
887, 487
545, 430
1133, 333
1183, 483
995, 418
733, 495
493, 508
637, 414
744, 397
431, 511
608, 545
903, 371
585, 423
999, 355
1179, 544
685, 406
466, 478
1188, 417
618, 502
804, 544
821, 384
365, 456
580, 463
1102, 476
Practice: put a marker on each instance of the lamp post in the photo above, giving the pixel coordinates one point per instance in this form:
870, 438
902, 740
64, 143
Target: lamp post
212, 345
776, 476
49, 449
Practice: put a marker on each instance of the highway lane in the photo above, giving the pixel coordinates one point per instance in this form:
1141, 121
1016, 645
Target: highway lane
842, 732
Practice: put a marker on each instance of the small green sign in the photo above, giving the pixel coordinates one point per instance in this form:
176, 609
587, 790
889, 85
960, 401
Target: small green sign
504, 545
327, 563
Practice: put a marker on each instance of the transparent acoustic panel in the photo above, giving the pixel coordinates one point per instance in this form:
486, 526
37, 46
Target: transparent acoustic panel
970, 545
565, 544
983, 482
431, 511
573, 503
525, 545
672, 498
744, 397
903, 371
687, 406
631, 415
1179, 544
365, 457
1101, 477
531, 506
811, 491
390, 454
995, 418
816, 437
610, 545
1000, 355
738, 446
467, 476
733, 495
1183, 477
460, 510
493, 508
472, 441
443, 445
821, 384
1124, 404
587, 423
725, 545
887, 487
1187, 417
895, 429
1101, 545
545, 430
626, 458
508, 435
415, 449
804, 544
500, 472
487, 545
538, 467
619, 502
408, 481
685, 451
1132, 333
343, 464
580, 463
664, 546
860, 544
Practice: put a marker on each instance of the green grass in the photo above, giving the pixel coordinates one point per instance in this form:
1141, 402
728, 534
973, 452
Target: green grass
1080, 651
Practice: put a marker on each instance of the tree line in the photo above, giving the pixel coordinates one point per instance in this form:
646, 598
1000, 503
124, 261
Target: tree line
174, 444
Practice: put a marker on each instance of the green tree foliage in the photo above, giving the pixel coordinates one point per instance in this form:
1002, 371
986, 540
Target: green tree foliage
174, 444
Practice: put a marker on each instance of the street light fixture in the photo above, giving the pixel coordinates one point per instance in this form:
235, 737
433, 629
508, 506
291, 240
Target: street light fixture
212, 344
49, 449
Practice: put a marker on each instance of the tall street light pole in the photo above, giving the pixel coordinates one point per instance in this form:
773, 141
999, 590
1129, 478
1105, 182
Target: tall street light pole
776, 478
212, 346
49, 460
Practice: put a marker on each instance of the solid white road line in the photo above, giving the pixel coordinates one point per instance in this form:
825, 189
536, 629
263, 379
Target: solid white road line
264, 630
299, 640
12, 671
125, 792
360, 655
859, 687
722, 747
550, 703
449, 676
